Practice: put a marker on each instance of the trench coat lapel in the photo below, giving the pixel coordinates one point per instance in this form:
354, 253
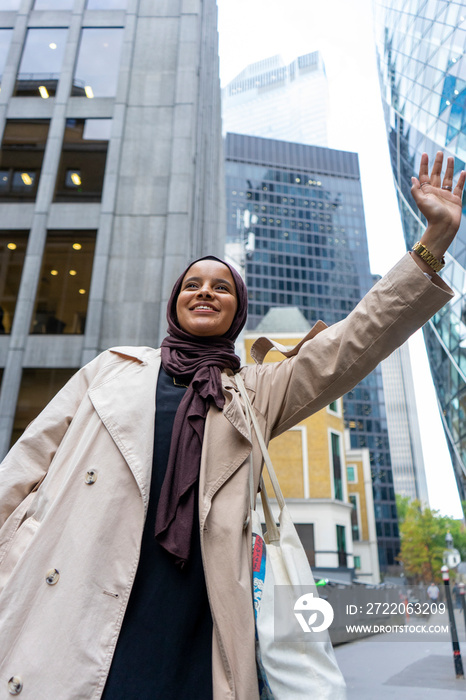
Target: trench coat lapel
126, 406
225, 448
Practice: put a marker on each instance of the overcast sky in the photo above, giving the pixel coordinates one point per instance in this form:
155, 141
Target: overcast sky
251, 30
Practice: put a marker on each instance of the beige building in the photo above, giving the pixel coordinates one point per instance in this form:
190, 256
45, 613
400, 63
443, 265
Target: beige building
327, 486
363, 531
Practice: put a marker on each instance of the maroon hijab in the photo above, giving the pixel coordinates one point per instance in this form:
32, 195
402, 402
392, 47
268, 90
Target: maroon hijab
197, 361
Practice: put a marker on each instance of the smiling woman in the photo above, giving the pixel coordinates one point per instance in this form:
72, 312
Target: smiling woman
207, 300
146, 459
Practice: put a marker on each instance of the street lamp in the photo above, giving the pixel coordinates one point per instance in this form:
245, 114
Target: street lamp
454, 635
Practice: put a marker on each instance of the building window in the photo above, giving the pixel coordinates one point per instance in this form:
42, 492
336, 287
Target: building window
354, 517
40, 67
333, 406
107, 4
352, 473
10, 4
53, 5
62, 298
335, 442
306, 535
82, 164
341, 545
5, 40
21, 158
38, 387
12, 251
357, 562
96, 72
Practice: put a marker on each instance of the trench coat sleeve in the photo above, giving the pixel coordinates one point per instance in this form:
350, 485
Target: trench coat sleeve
29, 459
337, 358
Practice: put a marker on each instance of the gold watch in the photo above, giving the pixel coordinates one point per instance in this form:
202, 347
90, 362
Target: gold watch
428, 257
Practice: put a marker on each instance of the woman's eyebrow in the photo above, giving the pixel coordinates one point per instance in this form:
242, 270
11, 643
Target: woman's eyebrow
222, 281
215, 281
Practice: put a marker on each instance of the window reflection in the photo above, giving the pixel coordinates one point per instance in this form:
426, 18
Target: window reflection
96, 72
21, 158
12, 252
62, 297
82, 165
5, 39
9, 4
53, 5
41, 62
107, 4
38, 387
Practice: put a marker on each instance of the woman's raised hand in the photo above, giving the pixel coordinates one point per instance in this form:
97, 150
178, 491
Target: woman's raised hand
439, 201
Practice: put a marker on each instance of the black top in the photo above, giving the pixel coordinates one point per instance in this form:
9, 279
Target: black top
164, 651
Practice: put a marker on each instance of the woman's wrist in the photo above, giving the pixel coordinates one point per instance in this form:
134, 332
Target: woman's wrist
437, 238
428, 257
422, 264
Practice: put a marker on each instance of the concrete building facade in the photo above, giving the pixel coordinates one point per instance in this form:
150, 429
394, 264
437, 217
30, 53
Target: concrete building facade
111, 179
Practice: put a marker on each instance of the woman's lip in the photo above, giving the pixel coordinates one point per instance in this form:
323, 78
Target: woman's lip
209, 310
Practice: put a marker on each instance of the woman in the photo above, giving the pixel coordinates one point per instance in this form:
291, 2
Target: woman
84, 485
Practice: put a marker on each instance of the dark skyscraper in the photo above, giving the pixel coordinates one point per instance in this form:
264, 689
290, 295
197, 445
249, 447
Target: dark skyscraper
297, 210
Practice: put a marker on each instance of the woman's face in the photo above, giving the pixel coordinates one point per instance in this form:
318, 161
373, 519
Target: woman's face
207, 301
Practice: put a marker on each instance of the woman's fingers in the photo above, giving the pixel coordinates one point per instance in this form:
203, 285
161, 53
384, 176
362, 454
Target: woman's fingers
435, 178
448, 177
458, 191
437, 170
424, 170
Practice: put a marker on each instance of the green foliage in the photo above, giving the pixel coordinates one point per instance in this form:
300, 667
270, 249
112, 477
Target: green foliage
423, 532
402, 505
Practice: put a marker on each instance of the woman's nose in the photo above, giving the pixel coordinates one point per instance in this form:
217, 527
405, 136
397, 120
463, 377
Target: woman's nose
205, 290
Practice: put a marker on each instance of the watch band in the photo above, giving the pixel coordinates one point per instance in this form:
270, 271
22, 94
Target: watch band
428, 257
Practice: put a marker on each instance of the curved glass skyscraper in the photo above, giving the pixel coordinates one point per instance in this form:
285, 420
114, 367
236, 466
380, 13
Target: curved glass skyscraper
422, 66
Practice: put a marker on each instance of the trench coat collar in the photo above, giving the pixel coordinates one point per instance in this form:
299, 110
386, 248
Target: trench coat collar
127, 409
262, 345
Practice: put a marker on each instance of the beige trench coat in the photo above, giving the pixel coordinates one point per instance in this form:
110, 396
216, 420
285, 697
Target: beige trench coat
69, 550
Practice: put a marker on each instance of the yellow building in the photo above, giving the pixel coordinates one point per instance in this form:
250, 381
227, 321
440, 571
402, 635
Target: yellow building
334, 515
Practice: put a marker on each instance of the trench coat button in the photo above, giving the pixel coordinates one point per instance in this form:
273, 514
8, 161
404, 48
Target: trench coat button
52, 577
15, 685
91, 476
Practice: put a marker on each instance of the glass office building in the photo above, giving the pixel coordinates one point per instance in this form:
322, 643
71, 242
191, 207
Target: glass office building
403, 426
297, 212
422, 66
279, 101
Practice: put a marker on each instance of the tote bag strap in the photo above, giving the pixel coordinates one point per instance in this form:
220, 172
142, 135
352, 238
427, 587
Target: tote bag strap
272, 530
252, 493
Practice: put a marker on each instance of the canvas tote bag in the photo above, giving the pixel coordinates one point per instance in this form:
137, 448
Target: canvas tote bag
295, 658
